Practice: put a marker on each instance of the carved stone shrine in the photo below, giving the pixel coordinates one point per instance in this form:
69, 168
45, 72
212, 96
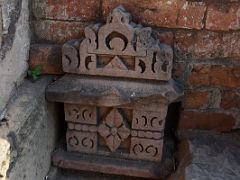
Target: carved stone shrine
116, 93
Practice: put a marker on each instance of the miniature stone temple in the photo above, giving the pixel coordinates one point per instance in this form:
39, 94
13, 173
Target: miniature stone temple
116, 93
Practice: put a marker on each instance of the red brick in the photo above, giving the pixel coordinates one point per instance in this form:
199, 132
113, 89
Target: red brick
195, 99
159, 13
166, 38
208, 45
48, 56
215, 75
223, 17
191, 15
230, 100
198, 45
178, 70
80, 10
58, 31
206, 121
231, 45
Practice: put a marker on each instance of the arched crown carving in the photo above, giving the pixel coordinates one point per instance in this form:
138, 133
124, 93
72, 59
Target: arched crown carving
119, 48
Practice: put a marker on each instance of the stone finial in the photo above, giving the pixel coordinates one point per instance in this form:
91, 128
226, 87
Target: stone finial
119, 48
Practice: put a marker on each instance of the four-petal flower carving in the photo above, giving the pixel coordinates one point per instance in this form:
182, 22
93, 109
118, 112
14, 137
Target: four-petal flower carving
113, 130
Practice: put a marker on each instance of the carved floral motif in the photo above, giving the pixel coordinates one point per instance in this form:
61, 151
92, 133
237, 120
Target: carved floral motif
113, 130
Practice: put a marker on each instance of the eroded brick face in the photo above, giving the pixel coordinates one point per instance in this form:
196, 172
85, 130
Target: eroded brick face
191, 15
155, 13
195, 99
77, 10
224, 17
58, 31
214, 75
230, 100
206, 121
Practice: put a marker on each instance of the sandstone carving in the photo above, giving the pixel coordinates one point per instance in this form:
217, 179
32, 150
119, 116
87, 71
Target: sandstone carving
119, 48
113, 118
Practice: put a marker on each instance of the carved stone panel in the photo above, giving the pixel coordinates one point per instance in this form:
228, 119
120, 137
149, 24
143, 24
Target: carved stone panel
146, 149
119, 48
80, 114
113, 130
137, 131
81, 141
146, 120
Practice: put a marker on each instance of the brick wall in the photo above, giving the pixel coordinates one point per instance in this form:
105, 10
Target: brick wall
205, 35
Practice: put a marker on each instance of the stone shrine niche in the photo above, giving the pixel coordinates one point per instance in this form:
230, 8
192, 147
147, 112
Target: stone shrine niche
116, 94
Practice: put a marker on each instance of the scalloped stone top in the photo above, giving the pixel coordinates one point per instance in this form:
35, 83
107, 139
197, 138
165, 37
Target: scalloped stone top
119, 48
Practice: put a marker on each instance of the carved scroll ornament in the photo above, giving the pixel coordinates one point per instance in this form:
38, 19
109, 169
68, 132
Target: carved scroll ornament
119, 48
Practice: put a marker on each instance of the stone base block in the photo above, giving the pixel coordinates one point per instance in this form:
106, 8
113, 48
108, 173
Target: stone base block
116, 166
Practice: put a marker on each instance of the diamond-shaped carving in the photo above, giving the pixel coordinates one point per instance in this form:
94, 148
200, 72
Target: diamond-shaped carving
113, 130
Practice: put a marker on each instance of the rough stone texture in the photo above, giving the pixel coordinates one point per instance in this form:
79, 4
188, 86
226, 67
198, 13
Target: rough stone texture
206, 155
30, 131
1, 24
191, 15
119, 48
224, 17
215, 75
47, 56
14, 51
58, 31
206, 121
230, 100
195, 99
77, 10
4, 158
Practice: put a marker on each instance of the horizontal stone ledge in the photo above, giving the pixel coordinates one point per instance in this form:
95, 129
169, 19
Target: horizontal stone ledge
90, 90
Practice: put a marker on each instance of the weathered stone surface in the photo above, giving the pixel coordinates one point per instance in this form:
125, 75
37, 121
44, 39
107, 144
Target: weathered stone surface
206, 121
215, 75
119, 48
208, 155
105, 92
47, 56
4, 158
14, 50
223, 17
70, 175
66, 10
30, 131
